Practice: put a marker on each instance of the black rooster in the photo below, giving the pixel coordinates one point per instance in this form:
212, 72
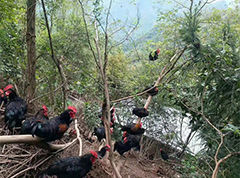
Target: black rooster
133, 140
140, 112
112, 114
164, 155
100, 132
54, 128
134, 129
121, 147
15, 110
153, 91
40, 117
74, 167
129, 141
153, 57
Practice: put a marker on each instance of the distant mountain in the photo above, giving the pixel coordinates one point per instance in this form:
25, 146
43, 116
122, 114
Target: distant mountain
148, 12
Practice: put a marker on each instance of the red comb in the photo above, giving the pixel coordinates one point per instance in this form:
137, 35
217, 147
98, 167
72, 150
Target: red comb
73, 108
8, 87
124, 134
45, 108
94, 153
1, 93
158, 51
140, 125
108, 146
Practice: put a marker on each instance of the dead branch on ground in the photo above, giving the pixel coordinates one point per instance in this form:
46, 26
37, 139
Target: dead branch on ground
37, 141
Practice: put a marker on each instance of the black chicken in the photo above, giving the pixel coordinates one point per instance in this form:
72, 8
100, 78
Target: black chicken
125, 134
140, 112
54, 128
40, 117
164, 155
153, 57
74, 167
15, 110
133, 140
129, 141
112, 114
100, 132
134, 129
153, 91
121, 147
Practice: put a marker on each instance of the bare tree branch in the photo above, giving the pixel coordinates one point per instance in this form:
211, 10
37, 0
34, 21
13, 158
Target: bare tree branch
87, 33
217, 162
47, 93
56, 60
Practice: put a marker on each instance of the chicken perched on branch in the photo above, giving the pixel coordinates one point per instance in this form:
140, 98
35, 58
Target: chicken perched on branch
54, 128
40, 117
15, 110
153, 91
134, 129
74, 167
140, 112
153, 57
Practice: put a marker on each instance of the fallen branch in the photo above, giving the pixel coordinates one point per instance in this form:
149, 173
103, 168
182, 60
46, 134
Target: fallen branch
37, 141
78, 137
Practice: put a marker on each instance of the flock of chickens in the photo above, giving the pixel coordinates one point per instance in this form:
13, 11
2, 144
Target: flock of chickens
48, 129
54, 128
132, 132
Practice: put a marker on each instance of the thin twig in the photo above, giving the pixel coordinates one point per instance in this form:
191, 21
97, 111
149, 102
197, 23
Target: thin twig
47, 93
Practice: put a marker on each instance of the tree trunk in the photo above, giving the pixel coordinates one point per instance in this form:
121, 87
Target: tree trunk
31, 52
